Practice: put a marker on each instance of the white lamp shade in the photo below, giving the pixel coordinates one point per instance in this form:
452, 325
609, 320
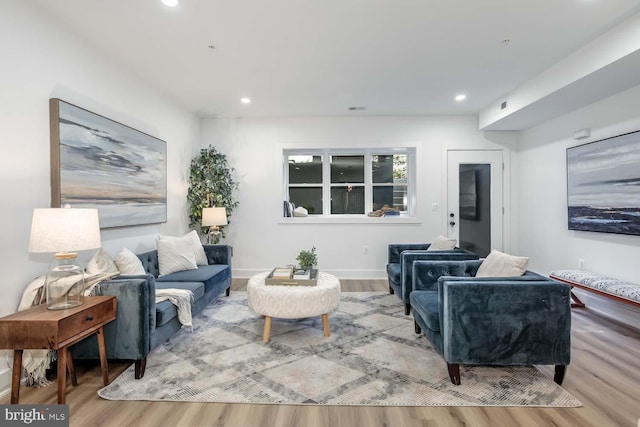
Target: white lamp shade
64, 230
214, 216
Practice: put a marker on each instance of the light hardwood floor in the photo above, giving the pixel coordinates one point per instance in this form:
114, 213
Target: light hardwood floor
604, 375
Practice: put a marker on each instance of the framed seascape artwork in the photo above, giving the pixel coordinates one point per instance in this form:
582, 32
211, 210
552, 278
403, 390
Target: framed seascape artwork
603, 185
99, 163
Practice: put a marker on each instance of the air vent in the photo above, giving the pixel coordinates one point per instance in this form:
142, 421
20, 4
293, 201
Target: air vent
357, 108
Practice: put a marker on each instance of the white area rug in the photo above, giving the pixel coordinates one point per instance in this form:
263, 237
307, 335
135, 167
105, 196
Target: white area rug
373, 357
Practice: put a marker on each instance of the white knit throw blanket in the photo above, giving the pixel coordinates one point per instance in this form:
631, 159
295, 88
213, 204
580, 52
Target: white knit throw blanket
182, 299
36, 362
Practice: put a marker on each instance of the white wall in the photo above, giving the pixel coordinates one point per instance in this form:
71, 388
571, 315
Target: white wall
542, 199
41, 60
260, 238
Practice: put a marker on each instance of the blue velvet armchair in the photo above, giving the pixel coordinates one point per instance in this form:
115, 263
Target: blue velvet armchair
523, 320
400, 265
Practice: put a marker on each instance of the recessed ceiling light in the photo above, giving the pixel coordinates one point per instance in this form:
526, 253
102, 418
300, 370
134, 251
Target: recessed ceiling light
170, 3
461, 97
245, 100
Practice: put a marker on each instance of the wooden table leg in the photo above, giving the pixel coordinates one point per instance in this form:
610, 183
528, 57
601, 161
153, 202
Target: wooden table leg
103, 357
62, 374
15, 376
325, 324
72, 371
267, 329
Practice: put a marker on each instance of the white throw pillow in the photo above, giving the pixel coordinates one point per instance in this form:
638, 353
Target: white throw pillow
198, 250
101, 263
499, 264
175, 254
128, 263
442, 243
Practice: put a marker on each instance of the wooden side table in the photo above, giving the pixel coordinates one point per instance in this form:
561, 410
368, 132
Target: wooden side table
40, 328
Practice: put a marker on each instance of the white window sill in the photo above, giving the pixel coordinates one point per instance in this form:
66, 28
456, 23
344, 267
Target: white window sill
350, 219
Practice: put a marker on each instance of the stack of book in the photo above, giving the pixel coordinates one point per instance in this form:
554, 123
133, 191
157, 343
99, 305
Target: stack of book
302, 274
287, 276
282, 273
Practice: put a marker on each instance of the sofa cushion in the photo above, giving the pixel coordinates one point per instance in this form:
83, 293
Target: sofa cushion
198, 250
499, 264
128, 263
175, 254
210, 275
425, 305
165, 311
102, 262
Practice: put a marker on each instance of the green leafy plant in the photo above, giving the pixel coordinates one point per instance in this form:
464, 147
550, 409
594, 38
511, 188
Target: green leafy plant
210, 184
307, 259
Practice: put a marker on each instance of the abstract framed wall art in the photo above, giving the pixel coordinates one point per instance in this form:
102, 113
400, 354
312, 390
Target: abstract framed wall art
99, 163
603, 185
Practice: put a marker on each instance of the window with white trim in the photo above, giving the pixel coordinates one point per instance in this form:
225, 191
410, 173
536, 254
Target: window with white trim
350, 182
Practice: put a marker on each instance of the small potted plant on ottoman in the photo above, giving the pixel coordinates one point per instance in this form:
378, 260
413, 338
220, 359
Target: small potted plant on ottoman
307, 260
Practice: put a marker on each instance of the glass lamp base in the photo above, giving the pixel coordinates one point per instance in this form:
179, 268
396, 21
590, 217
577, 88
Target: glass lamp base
64, 305
65, 283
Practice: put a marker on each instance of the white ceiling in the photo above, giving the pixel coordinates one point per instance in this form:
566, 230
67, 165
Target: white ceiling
320, 57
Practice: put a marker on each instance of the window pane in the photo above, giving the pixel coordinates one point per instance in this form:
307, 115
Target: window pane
347, 200
305, 169
309, 198
394, 196
347, 169
388, 169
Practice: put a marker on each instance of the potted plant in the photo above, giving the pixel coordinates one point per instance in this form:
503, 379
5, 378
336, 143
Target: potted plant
307, 259
210, 185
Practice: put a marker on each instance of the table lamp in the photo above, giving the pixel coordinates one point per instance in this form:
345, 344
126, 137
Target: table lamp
62, 231
213, 218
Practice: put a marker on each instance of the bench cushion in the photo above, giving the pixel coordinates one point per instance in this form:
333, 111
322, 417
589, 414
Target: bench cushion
606, 284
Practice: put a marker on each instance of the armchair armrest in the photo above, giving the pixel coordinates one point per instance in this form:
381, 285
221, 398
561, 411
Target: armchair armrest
505, 321
395, 249
218, 254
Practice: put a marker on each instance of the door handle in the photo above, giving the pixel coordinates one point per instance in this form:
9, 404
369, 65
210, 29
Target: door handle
452, 223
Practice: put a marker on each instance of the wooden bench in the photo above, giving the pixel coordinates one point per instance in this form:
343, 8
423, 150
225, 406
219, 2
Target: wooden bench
609, 287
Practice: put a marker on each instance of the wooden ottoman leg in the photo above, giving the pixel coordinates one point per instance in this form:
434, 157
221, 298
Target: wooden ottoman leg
325, 324
267, 329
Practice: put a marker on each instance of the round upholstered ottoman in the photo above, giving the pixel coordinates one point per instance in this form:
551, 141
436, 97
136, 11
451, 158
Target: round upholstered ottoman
293, 302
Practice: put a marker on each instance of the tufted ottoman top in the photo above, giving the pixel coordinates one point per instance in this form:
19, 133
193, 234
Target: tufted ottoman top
293, 302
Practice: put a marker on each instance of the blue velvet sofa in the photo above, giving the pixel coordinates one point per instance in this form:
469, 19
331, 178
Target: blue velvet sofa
141, 324
524, 320
400, 265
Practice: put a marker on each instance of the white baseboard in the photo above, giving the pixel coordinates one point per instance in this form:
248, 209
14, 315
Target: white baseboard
340, 274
